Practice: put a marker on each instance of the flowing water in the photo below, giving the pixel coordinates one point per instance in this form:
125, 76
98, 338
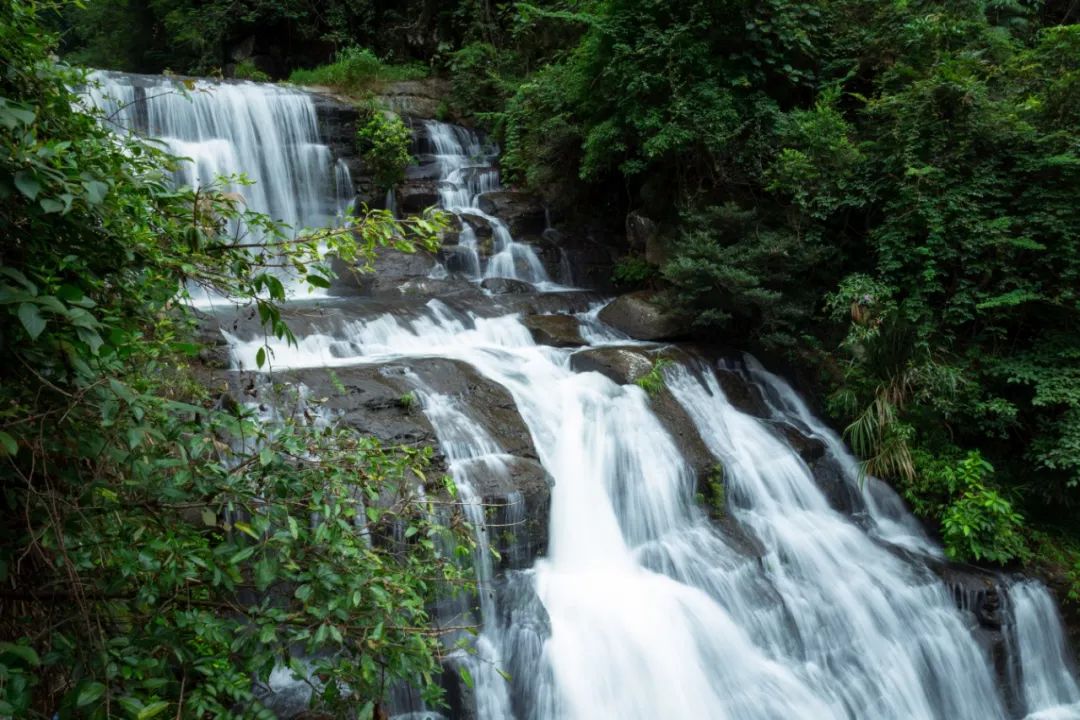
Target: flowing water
466, 170
643, 607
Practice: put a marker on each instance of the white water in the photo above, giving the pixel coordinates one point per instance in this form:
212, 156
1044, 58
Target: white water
466, 171
652, 612
224, 129
1047, 685
266, 132
642, 607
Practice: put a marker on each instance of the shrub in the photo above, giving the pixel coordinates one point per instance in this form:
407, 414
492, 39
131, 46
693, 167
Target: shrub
356, 70
383, 143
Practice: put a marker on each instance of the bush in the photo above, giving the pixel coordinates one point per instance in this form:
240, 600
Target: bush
246, 70
164, 549
383, 143
357, 70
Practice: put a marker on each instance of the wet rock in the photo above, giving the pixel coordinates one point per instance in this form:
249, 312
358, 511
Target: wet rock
554, 330
741, 393
833, 481
517, 507
392, 270
522, 213
639, 229
478, 223
416, 98
415, 197
506, 286
809, 448
489, 403
619, 364
639, 316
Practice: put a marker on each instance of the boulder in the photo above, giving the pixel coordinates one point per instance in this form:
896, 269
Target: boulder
554, 330
741, 393
639, 229
392, 269
639, 316
523, 213
478, 223
415, 197
619, 364
506, 286
809, 448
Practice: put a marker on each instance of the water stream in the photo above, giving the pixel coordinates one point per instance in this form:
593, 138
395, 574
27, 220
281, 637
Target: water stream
643, 607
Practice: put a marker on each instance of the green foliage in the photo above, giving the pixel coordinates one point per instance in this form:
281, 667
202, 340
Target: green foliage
357, 70
632, 271
977, 521
383, 143
165, 548
653, 381
732, 272
246, 70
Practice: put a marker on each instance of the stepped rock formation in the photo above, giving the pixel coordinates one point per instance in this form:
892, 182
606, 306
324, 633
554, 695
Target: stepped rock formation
703, 549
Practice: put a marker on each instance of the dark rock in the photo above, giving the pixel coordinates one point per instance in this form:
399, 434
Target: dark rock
506, 286
554, 330
416, 98
620, 364
392, 271
638, 315
638, 230
478, 223
741, 393
809, 448
522, 213
415, 197
833, 481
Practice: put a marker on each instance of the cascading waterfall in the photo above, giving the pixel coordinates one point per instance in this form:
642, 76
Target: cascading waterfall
466, 170
643, 607
265, 132
1043, 672
652, 612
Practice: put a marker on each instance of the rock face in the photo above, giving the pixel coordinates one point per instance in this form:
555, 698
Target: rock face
505, 286
523, 213
621, 365
416, 98
554, 330
639, 316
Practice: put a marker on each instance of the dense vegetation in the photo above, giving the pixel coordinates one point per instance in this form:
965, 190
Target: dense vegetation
880, 192
162, 548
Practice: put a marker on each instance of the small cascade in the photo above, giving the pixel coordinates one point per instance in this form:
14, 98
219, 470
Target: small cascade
225, 129
466, 170
470, 451
1041, 667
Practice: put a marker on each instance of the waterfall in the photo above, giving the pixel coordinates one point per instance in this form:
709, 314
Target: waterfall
265, 132
466, 170
643, 607
1042, 669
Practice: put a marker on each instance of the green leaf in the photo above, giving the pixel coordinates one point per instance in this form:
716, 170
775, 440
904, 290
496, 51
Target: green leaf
89, 693
242, 555
8, 445
466, 676
154, 708
51, 206
31, 320
95, 191
260, 357
23, 652
27, 183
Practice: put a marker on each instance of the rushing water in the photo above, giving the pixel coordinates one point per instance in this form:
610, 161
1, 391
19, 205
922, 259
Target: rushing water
466, 170
267, 133
643, 607
652, 612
